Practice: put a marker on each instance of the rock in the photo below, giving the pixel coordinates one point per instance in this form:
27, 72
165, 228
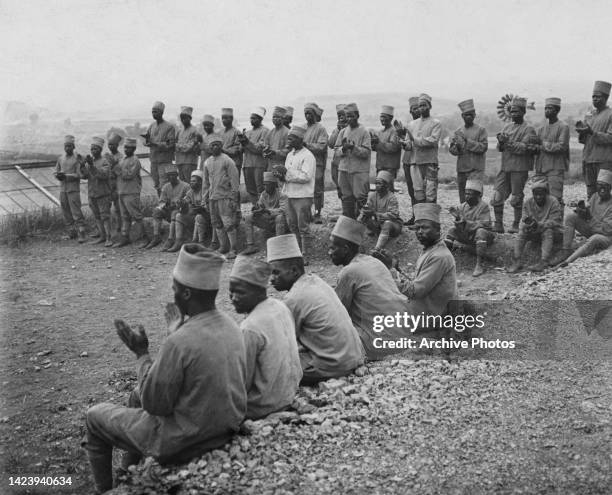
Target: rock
361, 371
44, 302
332, 384
83, 354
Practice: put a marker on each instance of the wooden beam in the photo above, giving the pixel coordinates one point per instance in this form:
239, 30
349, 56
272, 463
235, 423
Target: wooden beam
37, 185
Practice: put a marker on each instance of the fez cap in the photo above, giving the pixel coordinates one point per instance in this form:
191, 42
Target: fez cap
552, 101
474, 185
602, 87
349, 229
187, 111
250, 270
283, 247
427, 211
605, 176
159, 105
385, 176
296, 130
198, 267
387, 110
259, 111
467, 106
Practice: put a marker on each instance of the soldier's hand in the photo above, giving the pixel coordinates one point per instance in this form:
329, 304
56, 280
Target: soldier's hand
174, 317
136, 341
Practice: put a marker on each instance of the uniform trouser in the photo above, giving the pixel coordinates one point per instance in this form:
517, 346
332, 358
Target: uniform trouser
409, 184
319, 188
354, 188
595, 240
71, 208
509, 183
100, 207
115, 207
425, 182
470, 237
312, 375
463, 177
590, 172
158, 174
334, 175
386, 229
130, 207
253, 180
184, 171
298, 216
223, 213
545, 235
270, 222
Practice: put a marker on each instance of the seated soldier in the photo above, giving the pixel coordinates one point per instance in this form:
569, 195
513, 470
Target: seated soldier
192, 398
328, 344
172, 191
380, 214
273, 369
268, 213
541, 221
472, 224
189, 208
365, 288
435, 280
593, 221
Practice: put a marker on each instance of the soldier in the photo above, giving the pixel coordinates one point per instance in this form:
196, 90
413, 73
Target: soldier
254, 164
381, 212
189, 209
96, 170
552, 160
288, 118
515, 142
275, 143
129, 186
187, 147
408, 158
472, 224
67, 172
331, 142
160, 139
113, 158
541, 221
230, 136
208, 125
387, 145
267, 214
315, 141
596, 135
469, 144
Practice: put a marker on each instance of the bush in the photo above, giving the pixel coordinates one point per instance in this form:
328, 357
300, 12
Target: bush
18, 227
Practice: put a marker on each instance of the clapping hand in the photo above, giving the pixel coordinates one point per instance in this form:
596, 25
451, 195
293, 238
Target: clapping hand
136, 341
174, 317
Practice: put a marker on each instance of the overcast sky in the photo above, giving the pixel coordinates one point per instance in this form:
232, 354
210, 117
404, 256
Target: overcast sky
77, 54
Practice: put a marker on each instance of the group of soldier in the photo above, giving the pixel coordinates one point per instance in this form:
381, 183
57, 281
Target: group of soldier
210, 373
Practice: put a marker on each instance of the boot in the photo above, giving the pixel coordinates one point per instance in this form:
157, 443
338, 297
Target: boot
214, 241
171, 237
517, 218
140, 234
231, 235
156, 241
317, 218
480, 251
547, 245
102, 469
101, 237
107, 231
223, 241
81, 235
382, 241
499, 219
540, 266
515, 266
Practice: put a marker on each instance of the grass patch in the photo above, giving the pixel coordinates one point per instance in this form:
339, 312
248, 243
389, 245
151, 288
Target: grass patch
16, 228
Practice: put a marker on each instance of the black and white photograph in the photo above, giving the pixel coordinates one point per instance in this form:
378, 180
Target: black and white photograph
328, 247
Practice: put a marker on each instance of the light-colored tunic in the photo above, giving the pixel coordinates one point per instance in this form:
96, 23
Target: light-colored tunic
515, 157
69, 165
386, 205
220, 178
548, 215
434, 283
205, 151
276, 140
409, 154
171, 194
426, 133
315, 140
273, 370
472, 148
300, 176
187, 146
366, 289
98, 178
598, 146
357, 159
554, 151
128, 175
388, 149
476, 217
164, 136
323, 327
231, 145
252, 156
601, 215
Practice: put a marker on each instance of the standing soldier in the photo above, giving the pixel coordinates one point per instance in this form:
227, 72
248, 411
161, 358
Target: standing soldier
230, 136
288, 118
254, 163
97, 172
331, 142
408, 158
469, 144
161, 139
113, 158
275, 142
354, 169
424, 142
315, 141
221, 191
129, 186
186, 156
596, 135
387, 145
208, 125
68, 173
552, 160
515, 142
